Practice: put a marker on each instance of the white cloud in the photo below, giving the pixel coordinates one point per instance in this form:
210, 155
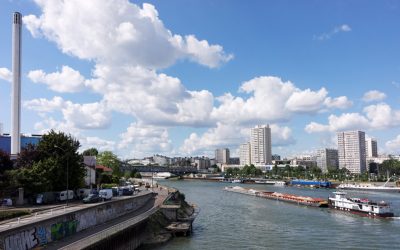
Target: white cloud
66, 81
393, 146
78, 116
334, 31
45, 105
273, 100
5, 74
382, 116
379, 116
306, 100
118, 32
96, 142
373, 95
341, 102
145, 140
87, 116
229, 135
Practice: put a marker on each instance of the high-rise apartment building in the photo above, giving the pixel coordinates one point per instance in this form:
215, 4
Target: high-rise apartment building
327, 157
260, 143
222, 155
245, 154
371, 147
351, 151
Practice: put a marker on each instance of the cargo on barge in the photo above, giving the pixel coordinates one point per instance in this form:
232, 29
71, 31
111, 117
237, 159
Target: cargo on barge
300, 200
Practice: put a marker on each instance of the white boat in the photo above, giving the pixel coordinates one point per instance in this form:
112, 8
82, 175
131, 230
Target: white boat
369, 187
269, 182
237, 181
360, 206
162, 175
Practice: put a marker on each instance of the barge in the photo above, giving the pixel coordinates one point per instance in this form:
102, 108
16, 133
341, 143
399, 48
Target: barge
359, 206
299, 200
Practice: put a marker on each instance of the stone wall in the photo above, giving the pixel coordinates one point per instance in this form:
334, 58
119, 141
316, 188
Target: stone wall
40, 233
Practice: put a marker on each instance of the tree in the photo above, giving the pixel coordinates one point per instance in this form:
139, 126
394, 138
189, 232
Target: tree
90, 152
5, 162
28, 156
47, 171
108, 159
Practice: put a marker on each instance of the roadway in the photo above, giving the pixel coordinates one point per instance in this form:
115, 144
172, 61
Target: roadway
79, 240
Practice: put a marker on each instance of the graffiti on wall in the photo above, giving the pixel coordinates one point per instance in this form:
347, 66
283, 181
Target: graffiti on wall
87, 220
21, 240
63, 229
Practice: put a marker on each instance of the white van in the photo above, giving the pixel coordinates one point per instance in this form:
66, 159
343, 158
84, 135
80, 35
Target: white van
62, 196
106, 194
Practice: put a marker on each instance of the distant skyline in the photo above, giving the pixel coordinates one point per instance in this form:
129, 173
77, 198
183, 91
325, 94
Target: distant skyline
187, 77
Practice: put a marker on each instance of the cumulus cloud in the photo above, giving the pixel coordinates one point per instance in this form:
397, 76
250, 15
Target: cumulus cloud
78, 116
333, 32
5, 74
144, 140
393, 146
341, 102
120, 32
273, 100
66, 81
379, 116
45, 105
229, 135
373, 95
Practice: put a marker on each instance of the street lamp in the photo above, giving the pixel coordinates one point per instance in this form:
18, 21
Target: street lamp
67, 172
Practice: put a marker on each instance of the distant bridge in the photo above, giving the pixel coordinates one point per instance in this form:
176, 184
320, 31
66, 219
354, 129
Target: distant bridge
157, 169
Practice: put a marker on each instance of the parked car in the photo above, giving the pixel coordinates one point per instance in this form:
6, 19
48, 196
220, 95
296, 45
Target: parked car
106, 194
83, 192
62, 196
91, 198
6, 202
127, 191
45, 198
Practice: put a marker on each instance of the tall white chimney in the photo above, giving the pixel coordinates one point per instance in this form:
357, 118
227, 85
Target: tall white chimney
16, 85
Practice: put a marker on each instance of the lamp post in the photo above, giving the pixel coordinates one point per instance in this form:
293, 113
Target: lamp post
67, 172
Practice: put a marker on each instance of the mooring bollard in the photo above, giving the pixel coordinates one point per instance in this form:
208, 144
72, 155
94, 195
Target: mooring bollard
51, 211
19, 219
35, 215
64, 209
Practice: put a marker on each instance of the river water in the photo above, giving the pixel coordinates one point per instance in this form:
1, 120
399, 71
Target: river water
234, 221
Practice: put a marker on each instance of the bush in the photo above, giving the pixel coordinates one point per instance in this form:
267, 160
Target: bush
5, 215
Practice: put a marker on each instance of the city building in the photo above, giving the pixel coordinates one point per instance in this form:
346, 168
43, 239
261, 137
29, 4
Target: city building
245, 154
234, 161
371, 147
201, 163
351, 151
327, 157
222, 155
161, 160
276, 157
90, 167
5, 141
260, 144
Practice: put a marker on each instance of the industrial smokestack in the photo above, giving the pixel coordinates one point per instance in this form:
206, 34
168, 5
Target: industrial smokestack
16, 85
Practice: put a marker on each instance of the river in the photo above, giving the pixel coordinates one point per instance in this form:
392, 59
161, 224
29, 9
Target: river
235, 221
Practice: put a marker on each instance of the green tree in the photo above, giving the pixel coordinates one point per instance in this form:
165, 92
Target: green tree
108, 159
6, 164
47, 169
28, 156
90, 152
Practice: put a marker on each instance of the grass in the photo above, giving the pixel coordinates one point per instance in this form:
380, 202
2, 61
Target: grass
5, 215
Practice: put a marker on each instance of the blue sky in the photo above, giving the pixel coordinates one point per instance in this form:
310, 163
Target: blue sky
186, 77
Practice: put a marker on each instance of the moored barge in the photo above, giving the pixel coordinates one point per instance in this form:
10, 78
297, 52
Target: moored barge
300, 200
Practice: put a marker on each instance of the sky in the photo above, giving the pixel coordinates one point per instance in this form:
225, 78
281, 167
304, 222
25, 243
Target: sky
184, 77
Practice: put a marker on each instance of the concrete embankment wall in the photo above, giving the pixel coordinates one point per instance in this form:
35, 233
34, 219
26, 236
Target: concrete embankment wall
40, 233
